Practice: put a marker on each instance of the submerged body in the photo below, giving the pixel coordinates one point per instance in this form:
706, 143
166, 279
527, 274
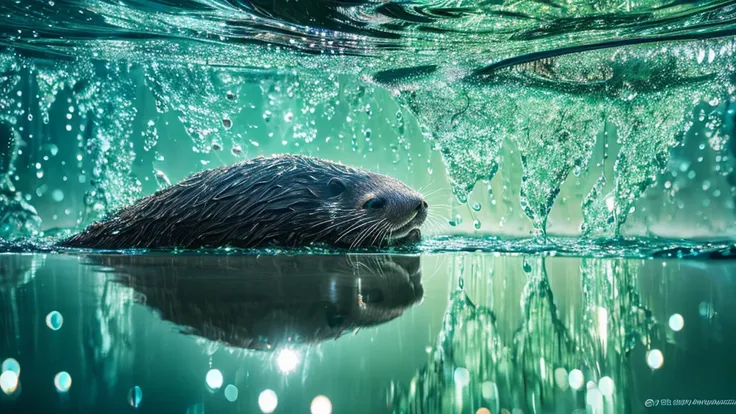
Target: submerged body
284, 200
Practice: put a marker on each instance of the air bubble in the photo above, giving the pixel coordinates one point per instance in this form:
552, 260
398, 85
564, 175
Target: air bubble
135, 396
63, 381
214, 379
54, 320
268, 401
231, 393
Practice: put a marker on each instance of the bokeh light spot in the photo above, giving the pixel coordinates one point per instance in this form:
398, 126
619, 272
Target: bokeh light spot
268, 401
214, 379
54, 320
321, 405
63, 381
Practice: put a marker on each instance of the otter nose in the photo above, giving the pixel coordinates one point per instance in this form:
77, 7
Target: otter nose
422, 206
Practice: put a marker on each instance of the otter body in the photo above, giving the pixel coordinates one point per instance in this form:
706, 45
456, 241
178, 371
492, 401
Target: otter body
283, 200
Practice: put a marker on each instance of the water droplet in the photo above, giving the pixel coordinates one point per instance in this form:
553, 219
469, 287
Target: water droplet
214, 379
288, 117
8, 382
231, 394
230, 96
561, 379
655, 359
527, 267
268, 401
135, 395
287, 360
461, 377
489, 390
706, 310
63, 381
606, 386
476, 224
267, 116
162, 178
476, 206
576, 379
237, 149
54, 320
11, 364
227, 123
321, 405
57, 195
677, 322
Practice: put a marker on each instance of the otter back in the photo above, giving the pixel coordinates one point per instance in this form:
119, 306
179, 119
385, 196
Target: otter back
283, 200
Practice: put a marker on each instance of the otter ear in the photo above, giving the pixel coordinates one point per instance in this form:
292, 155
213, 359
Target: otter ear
336, 186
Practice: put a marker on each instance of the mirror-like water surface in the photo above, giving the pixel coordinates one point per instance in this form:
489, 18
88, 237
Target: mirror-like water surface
366, 333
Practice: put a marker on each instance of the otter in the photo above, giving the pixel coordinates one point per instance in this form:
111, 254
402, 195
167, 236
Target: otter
282, 200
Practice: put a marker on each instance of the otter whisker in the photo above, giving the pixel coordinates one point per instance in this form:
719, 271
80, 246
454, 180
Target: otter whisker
424, 187
434, 224
433, 192
338, 223
355, 227
366, 233
380, 231
370, 222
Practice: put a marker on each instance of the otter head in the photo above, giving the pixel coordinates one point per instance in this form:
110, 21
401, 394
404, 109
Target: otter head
375, 209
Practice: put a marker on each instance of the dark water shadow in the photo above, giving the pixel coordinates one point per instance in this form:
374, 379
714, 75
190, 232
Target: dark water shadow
262, 302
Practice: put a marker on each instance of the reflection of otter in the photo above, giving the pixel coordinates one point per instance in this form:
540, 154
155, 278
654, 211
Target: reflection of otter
18, 269
283, 200
260, 302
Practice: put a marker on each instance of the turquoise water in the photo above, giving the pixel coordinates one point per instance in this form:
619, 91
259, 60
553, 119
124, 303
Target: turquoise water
371, 333
577, 156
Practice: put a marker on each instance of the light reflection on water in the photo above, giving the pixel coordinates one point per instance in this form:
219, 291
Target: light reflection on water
461, 333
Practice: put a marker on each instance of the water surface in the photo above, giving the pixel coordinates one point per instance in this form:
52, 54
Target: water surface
370, 332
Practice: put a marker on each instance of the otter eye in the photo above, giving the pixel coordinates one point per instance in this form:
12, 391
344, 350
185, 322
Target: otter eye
336, 186
374, 203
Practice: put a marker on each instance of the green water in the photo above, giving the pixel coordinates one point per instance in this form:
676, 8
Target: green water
577, 157
371, 333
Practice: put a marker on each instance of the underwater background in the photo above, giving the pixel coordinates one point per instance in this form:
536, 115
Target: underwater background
577, 157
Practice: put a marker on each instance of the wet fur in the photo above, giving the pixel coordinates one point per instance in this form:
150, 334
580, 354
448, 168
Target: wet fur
282, 200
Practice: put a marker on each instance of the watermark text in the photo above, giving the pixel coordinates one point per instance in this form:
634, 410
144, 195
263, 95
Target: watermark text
666, 402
